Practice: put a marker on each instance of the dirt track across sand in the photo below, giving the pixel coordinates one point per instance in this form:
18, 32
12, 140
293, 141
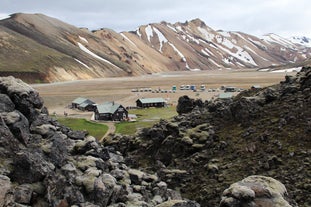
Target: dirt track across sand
58, 96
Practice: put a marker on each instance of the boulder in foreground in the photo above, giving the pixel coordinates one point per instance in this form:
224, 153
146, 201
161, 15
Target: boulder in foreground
256, 191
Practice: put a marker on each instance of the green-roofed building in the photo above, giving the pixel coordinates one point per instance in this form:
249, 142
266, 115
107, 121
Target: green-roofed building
83, 104
110, 111
150, 102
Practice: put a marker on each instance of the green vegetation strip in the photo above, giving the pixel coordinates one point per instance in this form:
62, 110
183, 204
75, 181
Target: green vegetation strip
96, 130
145, 118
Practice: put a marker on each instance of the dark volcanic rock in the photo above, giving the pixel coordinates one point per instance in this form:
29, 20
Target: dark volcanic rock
43, 163
25, 98
258, 132
6, 105
9, 145
5, 189
179, 203
18, 125
201, 152
58, 151
23, 194
255, 191
247, 109
30, 167
186, 104
78, 135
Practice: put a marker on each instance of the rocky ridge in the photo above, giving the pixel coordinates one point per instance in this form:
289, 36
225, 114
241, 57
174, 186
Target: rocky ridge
43, 163
200, 153
212, 144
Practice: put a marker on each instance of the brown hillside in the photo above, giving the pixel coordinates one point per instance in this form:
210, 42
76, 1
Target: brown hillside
53, 50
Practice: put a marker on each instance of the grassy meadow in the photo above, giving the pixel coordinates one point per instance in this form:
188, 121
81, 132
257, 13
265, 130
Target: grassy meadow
145, 118
96, 130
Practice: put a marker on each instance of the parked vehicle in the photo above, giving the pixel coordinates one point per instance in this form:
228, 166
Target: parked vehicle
202, 87
230, 89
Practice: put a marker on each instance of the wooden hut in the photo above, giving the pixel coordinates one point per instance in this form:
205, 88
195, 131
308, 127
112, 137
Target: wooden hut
110, 111
150, 102
83, 104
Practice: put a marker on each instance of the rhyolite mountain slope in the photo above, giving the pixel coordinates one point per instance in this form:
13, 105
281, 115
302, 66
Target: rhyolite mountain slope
38, 48
214, 143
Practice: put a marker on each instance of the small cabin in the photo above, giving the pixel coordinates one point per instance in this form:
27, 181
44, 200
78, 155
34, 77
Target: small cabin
150, 102
83, 104
110, 111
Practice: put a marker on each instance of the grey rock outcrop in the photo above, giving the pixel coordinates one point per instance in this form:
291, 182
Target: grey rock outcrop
255, 191
186, 104
6, 104
214, 143
43, 163
25, 98
5, 189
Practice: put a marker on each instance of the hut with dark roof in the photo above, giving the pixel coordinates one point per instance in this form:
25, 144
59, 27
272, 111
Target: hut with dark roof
83, 104
150, 102
110, 111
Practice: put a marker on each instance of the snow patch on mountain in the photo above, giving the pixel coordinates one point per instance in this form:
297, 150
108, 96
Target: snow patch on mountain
205, 53
172, 28
305, 41
241, 54
249, 49
83, 48
227, 60
82, 63
213, 46
126, 38
225, 34
289, 70
179, 28
162, 38
83, 39
183, 58
239, 35
207, 50
227, 43
176, 50
4, 16
206, 34
213, 62
279, 40
149, 32
190, 38
258, 44
138, 32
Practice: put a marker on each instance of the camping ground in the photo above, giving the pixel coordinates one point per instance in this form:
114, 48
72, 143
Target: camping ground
58, 96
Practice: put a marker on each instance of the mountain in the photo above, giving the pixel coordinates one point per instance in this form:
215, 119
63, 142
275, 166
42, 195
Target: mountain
38, 48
